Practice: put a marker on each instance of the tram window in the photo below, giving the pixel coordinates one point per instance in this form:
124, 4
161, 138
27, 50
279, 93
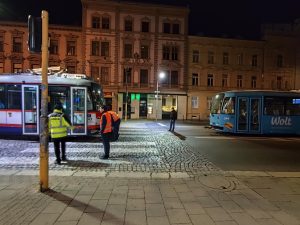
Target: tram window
89, 101
2, 97
279, 106
14, 97
228, 105
60, 95
292, 107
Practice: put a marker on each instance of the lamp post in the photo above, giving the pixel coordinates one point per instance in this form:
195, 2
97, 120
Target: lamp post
160, 76
126, 98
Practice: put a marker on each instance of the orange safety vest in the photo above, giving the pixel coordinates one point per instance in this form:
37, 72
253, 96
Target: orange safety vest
115, 116
108, 127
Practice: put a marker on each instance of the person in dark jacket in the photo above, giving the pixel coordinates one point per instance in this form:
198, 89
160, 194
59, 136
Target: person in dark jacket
173, 118
105, 130
58, 129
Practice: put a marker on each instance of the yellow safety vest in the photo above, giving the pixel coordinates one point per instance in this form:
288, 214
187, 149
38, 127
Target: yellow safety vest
58, 126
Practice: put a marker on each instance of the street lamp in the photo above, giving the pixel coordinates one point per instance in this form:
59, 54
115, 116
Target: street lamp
126, 100
160, 76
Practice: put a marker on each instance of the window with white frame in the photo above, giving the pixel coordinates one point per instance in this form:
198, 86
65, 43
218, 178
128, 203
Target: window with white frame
209, 102
17, 44
239, 81
195, 79
240, 59
96, 22
95, 48
128, 24
225, 58
128, 50
105, 22
144, 51
53, 47
195, 102
17, 67
254, 60
196, 56
224, 80
210, 80
253, 81
105, 48
210, 59
170, 52
71, 48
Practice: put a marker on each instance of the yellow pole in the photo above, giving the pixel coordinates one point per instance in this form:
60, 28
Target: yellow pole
44, 148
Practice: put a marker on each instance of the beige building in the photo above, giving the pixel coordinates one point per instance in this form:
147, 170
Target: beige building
125, 46
64, 48
219, 64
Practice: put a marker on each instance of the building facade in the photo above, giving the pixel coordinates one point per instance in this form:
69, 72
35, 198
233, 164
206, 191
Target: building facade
125, 46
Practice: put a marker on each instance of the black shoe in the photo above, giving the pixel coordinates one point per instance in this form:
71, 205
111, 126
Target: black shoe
104, 157
64, 159
58, 162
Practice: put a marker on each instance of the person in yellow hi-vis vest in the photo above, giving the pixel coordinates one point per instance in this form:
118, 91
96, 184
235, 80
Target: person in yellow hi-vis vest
58, 129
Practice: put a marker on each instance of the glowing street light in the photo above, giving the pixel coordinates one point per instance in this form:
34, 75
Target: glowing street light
161, 75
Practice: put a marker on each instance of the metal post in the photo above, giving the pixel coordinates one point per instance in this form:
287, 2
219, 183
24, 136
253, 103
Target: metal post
44, 148
126, 100
156, 99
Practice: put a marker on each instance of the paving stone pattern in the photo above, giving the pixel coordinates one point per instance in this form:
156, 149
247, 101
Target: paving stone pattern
145, 149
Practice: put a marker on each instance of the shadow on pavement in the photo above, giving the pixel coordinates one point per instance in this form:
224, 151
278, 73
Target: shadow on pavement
88, 164
181, 137
82, 206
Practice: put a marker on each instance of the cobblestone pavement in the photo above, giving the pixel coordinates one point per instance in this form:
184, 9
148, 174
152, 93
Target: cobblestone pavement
147, 148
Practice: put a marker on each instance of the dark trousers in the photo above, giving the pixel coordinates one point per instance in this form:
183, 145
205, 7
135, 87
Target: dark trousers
172, 125
106, 143
116, 128
59, 142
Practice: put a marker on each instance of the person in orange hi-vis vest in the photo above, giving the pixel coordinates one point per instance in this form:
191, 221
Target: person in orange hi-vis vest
105, 130
115, 124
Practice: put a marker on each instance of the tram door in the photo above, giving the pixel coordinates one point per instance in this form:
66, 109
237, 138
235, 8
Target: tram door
248, 115
79, 110
30, 109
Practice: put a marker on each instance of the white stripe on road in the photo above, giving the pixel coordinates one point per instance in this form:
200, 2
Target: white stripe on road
161, 124
124, 151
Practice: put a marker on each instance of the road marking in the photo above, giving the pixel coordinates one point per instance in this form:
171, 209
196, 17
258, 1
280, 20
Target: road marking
161, 124
214, 137
248, 138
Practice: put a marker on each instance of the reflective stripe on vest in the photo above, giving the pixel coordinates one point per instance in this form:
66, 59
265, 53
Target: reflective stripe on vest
58, 126
108, 127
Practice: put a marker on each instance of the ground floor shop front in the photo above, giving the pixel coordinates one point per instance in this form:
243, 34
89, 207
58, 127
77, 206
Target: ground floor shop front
147, 106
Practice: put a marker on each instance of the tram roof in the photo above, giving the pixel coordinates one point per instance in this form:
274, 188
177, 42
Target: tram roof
263, 92
29, 78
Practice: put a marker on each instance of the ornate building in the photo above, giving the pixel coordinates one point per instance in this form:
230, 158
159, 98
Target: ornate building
126, 45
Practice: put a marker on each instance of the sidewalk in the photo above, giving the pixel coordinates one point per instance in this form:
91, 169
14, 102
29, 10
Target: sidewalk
131, 196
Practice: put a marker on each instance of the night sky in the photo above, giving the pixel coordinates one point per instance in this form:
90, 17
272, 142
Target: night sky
233, 18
